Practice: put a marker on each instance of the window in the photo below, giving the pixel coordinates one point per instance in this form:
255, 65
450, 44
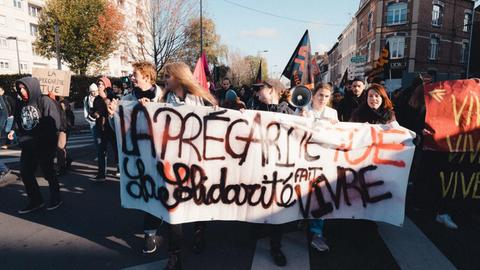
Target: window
33, 29
397, 47
370, 21
397, 13
361, 29
20, 25
3, 20
434, 42
23, 67
3, 43
437, 15
4, 65
17, 3
467, 22
33, 10
465, 52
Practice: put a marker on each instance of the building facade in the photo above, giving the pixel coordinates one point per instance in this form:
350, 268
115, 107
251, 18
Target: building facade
333, 65
424, 36
474, 52
18, 24
347, 48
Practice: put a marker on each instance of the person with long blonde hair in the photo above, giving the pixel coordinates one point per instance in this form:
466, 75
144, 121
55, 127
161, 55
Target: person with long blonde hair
182, 88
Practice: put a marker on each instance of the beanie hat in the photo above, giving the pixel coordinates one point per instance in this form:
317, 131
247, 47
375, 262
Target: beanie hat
93, 87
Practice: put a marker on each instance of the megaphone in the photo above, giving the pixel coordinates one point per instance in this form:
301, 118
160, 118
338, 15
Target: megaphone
300, 96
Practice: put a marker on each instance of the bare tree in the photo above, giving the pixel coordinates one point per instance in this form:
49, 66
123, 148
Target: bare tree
243, 69
159, 32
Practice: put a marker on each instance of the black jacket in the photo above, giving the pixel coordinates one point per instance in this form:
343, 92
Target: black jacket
349, 104
282, 107
37, 119
100, 113
365, 114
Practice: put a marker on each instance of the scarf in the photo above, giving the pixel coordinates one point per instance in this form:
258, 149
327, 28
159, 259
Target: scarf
150, 93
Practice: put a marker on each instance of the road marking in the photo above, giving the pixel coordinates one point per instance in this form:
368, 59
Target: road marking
149, 266
294, 246
411, 248
74, 142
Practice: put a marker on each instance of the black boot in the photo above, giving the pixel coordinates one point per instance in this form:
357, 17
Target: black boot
174, 261
278, 257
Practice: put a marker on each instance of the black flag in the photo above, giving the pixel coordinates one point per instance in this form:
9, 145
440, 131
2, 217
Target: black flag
299, 68
344, 80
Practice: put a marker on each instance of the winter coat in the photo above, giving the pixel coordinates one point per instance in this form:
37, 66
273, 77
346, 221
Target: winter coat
38, 118
365, 114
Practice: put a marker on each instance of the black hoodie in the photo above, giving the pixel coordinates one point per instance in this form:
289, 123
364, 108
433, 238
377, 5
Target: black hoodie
38, 119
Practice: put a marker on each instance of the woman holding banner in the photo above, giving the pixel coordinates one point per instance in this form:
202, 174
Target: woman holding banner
378, 109
319, 110
182, 88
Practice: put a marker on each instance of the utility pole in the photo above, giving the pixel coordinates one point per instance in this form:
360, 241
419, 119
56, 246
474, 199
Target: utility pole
57, 47
201, 28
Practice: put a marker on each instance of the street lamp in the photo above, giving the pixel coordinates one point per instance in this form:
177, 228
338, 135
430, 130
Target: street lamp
261, 51
18, 55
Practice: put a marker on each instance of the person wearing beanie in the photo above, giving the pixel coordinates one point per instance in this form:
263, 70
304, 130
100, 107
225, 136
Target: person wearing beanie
88, 112
104, 128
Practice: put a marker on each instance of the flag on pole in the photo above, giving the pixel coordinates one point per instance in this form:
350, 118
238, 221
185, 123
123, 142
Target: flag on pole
382, 65
199, 73
299, 68
344, 80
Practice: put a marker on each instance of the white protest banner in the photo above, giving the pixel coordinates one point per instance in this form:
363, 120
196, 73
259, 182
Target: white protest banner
188, 163
54, 80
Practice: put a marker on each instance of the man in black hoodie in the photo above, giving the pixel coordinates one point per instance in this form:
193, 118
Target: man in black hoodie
37, 123
352, 100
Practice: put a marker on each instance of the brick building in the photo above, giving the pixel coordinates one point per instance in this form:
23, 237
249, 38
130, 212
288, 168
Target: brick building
475, 53
425, 36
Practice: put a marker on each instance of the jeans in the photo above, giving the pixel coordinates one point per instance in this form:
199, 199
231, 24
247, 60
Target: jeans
105, 139
316, 226
3, 168
93, 130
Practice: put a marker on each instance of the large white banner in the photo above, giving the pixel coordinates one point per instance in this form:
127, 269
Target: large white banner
189, 163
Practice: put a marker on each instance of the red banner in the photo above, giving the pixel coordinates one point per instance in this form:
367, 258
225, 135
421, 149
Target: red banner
453, 116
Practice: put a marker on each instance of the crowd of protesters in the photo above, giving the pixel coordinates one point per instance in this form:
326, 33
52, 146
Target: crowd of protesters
41, 125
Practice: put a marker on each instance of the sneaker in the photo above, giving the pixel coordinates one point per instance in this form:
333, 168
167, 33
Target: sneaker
31, 207
54, 204
447, 221
278, 257
174, 262
4, 147
319, 243
150, 244
116, 174
98, 178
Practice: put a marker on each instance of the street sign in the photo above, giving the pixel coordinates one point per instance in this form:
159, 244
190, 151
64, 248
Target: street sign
359, 59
